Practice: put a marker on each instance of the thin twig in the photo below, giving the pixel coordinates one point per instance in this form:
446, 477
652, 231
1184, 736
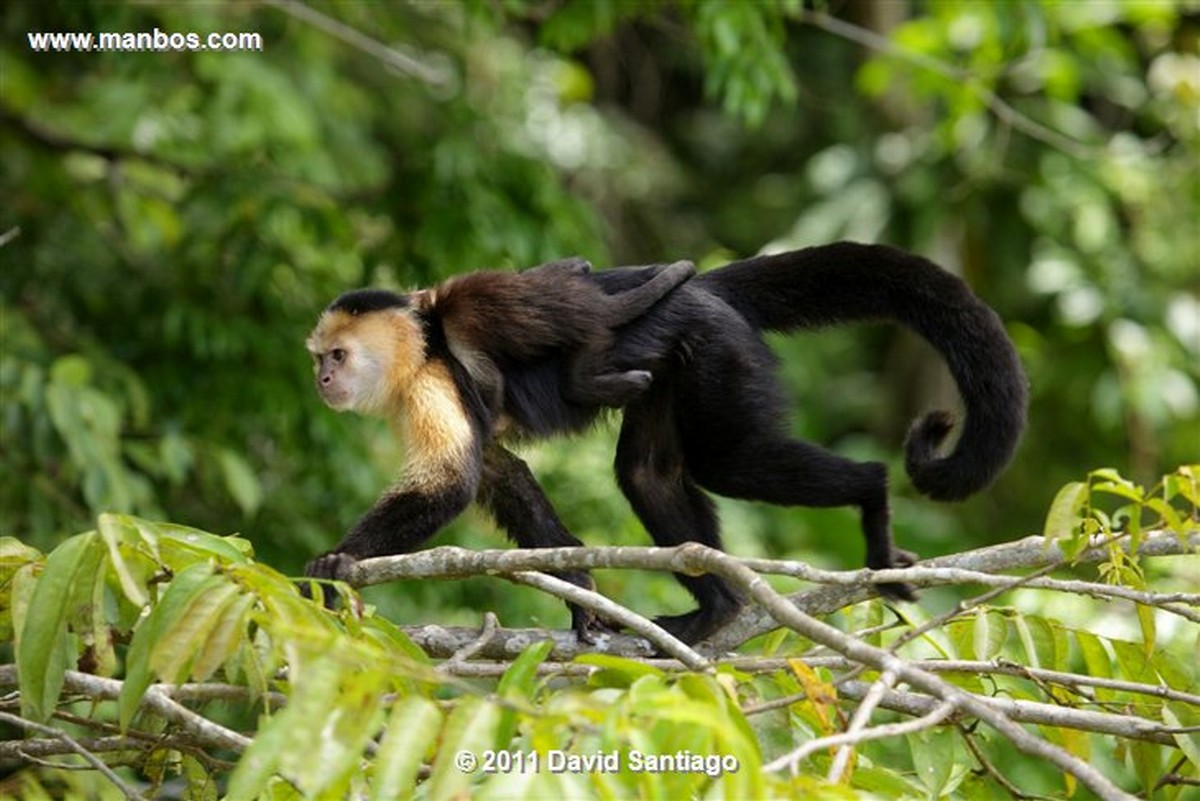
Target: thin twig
990, 769
590, 599
360, 41
862, 716
75, 747
998, 106
1129, 727
490, 625
847, 739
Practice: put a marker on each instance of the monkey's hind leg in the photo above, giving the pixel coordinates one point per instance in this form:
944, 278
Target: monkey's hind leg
588, 386
768, 466
511, 495
674, 510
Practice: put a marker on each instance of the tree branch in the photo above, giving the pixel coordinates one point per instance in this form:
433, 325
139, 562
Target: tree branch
694, 559
1024, 554
819, 632
843, 587
1125, 726
362, 42
157, 699
614, 611
997, 105
70, 745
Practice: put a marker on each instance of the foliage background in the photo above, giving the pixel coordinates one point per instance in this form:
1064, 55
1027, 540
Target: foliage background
184, 216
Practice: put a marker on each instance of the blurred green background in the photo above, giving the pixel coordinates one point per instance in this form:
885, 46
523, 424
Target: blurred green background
174, 221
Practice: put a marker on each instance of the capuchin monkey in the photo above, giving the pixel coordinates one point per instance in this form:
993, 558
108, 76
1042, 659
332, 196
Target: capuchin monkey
433, 362
712, 418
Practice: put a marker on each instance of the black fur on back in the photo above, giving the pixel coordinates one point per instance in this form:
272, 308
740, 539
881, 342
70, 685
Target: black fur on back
829, 285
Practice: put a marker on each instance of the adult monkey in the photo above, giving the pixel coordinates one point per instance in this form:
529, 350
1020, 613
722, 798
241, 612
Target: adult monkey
713, 416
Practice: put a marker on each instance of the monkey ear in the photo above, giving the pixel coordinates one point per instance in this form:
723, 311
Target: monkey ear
422, 299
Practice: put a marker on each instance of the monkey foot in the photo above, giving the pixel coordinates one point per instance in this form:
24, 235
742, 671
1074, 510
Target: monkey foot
588, 625
899, 591
699, 624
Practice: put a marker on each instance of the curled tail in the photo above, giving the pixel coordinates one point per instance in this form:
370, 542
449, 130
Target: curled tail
845, 282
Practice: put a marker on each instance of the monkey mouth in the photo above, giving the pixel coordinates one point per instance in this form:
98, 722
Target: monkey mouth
334, 398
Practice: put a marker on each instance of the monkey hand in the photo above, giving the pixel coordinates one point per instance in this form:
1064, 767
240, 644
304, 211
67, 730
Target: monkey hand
333, 566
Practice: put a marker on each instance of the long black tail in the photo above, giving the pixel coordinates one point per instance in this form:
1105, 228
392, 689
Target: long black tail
846, 281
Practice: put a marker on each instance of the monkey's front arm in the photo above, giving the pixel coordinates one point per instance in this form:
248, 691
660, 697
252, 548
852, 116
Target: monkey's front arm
445, 447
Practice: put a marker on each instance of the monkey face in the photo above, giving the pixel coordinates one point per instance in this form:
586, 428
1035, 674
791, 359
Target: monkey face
335, 379
364, 362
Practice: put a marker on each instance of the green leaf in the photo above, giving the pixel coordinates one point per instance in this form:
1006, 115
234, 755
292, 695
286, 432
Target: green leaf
115, 531
1121, 490
1134, 662
226, 635
1065, 515
990, 632
1168, 514
296, 729
1096, 658
14, 553
201, 785
1145, 615
182, 636
241, 481
616, 671
471, 729
44, 648
138, 670
322, 759
177, 457
517, 685
933, 758
410, 736
181, 546
1184, 716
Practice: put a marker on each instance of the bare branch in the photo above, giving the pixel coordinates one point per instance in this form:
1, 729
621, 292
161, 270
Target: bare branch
1129, 727
998, 106
615, 612
360, 41
490, 624
851, 738
56, 746
862, 716
73, 746
1023, 554
157, 699
846, 587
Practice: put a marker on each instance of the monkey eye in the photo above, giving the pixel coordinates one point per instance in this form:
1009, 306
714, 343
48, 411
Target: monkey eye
338, 355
